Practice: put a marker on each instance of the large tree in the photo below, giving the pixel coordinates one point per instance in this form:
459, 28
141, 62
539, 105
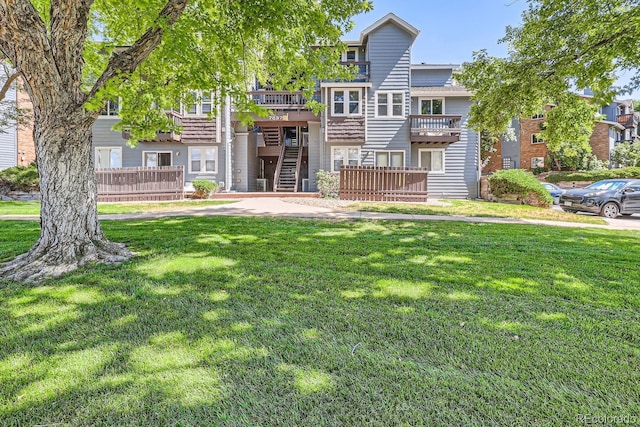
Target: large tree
73, 55
563, 46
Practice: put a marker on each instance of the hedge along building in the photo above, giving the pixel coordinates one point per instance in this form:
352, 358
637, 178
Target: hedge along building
392, 113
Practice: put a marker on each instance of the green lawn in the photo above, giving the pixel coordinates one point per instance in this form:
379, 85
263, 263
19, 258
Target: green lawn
33, 208
481, 209
267, 322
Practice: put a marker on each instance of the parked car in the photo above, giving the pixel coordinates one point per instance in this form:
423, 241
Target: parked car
554, 190
608, 198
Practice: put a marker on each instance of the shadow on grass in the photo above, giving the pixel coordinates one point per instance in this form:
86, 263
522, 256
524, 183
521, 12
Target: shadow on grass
240, 321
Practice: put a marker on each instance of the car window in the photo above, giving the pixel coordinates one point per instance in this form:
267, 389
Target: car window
606, 185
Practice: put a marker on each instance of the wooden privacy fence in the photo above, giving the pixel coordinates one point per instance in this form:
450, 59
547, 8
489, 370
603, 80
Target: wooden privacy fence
140, 184
385, 184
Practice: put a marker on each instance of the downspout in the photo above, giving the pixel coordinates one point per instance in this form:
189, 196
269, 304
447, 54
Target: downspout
479, 183
227, 144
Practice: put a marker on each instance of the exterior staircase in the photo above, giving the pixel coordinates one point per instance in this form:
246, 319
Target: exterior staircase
288, 170
272, 136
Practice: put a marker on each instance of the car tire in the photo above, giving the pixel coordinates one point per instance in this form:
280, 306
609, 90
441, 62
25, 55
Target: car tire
610, 210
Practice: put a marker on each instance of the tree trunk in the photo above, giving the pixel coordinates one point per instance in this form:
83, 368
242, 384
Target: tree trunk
70, 234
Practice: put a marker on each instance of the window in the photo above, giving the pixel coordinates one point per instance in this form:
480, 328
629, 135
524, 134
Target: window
111, 108
346, 102
537, 162
390, 158
350, 55
432, 106
535, 139
203, 104
344, 156
537, 116
108, 157
506, 163
156, 158
390, 104
203, 159
432, 159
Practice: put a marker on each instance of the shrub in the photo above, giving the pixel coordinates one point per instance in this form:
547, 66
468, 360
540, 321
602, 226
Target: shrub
204, 188
328, 184
523, 185
20, 178
596, 175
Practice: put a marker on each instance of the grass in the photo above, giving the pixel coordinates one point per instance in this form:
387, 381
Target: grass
263, 322
479, 209
33, 208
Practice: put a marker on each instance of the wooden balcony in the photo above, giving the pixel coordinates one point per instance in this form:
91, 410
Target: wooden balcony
363, 72
628, 120
279, 100
164, 136
435, 128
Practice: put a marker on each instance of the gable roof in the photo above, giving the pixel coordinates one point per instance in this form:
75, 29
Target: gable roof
389, 18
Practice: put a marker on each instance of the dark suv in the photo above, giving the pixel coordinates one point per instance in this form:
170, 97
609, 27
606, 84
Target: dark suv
608, 198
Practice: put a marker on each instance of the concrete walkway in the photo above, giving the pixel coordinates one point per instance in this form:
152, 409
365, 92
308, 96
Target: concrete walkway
274, 207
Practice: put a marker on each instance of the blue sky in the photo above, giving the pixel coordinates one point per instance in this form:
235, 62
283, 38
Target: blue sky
449, 30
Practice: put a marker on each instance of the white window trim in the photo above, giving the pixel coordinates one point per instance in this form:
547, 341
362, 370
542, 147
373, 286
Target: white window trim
215, 157
375, 156
537, 158
432, 150
346, 102
351, 49
426, 98
389, 94
110, 116
95, 158
346, 148
198, 104
157, 152
538, 116
541, 141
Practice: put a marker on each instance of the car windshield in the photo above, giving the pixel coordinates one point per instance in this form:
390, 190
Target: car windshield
606, 185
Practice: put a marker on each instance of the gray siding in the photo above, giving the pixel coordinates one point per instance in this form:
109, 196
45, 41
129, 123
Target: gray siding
389, 51
103, 136
8, 138
460, 180
425, 78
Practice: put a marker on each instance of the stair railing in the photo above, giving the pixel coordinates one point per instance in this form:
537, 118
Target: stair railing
276, 177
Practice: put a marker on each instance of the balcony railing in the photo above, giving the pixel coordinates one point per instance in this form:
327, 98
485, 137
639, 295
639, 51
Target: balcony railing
278, 99
162, 136
363, 72
435, 128
628, 120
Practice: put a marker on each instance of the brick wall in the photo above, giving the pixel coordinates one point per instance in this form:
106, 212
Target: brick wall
26, 147
599, 141
495, 163
528, 150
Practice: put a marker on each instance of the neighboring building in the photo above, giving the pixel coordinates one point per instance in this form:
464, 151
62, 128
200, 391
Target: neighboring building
619, 124
392, 114
16, 141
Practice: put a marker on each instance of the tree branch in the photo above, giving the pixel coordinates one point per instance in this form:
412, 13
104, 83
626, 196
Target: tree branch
69, 28
127, 61
7, 84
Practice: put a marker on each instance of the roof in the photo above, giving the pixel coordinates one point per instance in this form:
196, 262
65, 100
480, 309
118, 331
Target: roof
440, 91
390, 17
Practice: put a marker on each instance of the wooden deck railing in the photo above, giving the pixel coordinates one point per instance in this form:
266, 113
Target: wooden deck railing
143, 183
435, 127
627, 120
386, 184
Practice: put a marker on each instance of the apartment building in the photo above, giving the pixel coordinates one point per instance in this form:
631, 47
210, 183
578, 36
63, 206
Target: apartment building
16, 141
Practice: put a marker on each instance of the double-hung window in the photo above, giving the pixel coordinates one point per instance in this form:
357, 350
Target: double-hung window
390, 104
111, 108
536, 139
346, 102
108, 157
431, 106
156, 158
202, 106
432, 159
203, 159
344, 156
390, 158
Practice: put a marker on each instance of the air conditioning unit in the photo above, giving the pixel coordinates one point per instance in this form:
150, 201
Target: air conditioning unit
261, 184
305, 185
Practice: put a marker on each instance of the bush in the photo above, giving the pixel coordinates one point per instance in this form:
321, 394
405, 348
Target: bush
328, 184
204, 188
596, 175
20, 178
523, 185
